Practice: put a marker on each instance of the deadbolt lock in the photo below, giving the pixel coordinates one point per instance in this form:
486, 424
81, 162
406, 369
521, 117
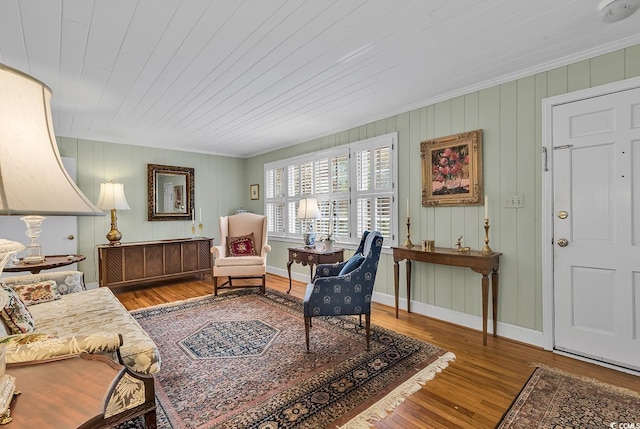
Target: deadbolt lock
563, 242
563, 215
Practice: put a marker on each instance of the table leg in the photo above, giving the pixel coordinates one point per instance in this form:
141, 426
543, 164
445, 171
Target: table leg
485, 303
396, 282
289, 271
311, 272
408, 268
494, 298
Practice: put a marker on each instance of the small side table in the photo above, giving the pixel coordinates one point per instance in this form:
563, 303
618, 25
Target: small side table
77, 392
313, 257
51, 261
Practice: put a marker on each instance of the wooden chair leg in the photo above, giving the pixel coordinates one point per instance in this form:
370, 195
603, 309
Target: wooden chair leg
264, 283
367, 321
215, 286
307, 325
150, 419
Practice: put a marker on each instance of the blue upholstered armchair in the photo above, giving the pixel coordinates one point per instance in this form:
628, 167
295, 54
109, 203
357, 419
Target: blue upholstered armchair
345, 288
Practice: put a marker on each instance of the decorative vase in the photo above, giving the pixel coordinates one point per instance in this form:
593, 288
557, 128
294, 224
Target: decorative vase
34, 250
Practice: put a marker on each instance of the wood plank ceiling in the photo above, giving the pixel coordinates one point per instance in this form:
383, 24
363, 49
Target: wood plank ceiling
244, 77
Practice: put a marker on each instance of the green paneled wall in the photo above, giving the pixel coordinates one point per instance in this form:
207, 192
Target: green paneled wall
220, 188
510, 117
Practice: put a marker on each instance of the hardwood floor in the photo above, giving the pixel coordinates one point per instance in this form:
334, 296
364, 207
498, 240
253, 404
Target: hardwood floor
473, 392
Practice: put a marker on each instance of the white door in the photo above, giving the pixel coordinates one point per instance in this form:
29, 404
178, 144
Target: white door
596, 208
58, 232
168, 198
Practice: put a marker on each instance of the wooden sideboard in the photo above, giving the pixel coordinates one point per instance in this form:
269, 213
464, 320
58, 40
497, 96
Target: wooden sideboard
130, 264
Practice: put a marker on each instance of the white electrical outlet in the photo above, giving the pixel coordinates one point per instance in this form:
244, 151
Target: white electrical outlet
513, 201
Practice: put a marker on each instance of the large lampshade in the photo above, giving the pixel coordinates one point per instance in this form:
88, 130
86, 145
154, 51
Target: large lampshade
33, 180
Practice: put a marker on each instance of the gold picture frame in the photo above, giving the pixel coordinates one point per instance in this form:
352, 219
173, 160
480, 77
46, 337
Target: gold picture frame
452, 170
254, 191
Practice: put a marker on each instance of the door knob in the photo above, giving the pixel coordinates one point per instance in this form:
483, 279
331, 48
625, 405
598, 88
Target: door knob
71, 236
563, 214
563, 242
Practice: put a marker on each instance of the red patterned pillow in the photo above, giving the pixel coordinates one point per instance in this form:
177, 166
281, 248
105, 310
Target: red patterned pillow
36, 293
241, 246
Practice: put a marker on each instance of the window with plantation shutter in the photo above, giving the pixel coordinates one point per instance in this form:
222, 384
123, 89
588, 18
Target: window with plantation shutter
354, 185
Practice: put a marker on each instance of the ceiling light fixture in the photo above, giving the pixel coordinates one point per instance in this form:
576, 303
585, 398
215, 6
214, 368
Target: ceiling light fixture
617, 10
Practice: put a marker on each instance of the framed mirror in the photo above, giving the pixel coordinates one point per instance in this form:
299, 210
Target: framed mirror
170, 192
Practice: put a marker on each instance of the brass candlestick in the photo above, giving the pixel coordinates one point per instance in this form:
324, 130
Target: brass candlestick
193, 230
200, 227
408, 242
486, 250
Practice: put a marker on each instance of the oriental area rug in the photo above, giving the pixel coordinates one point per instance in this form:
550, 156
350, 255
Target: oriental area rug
555, 399
239, 360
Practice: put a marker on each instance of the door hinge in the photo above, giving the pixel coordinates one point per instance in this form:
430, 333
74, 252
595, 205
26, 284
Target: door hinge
564, 146
545, 161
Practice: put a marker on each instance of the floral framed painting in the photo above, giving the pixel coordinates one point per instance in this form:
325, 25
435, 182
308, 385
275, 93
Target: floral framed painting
452, 170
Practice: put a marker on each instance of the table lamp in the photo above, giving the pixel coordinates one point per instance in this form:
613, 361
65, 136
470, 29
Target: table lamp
308, 210
33, 180
112, 198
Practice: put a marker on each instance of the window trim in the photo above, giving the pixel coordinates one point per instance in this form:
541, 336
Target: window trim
349, 149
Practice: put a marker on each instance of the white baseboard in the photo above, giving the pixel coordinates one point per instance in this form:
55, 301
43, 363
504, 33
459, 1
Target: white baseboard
304, 278
505, 330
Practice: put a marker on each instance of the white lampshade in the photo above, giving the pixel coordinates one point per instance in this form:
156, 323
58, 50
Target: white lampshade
33, 180
308, 209
112, 197
7, 250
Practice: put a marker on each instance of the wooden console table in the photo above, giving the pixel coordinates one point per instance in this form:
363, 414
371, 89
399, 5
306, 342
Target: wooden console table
136, 263
73, 392
483, 264
313, 257
51, 261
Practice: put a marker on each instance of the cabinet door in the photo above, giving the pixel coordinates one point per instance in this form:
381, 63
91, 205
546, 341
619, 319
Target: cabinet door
173, 258
190, 256
153, 260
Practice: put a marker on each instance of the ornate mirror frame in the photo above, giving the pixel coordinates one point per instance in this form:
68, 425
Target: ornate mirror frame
181, 196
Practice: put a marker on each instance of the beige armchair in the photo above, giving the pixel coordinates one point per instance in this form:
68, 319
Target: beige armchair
242, 252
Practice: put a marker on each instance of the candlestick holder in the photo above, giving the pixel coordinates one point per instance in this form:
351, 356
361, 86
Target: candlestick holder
486, 250
193, 231
408, 242
200, 228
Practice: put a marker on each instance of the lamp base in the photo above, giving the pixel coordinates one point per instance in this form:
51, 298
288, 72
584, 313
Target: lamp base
310, 240
114, 235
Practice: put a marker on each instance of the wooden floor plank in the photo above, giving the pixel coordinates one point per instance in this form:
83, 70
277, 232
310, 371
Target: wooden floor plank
473, 392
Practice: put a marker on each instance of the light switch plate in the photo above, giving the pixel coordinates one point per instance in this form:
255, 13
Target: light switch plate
513, 201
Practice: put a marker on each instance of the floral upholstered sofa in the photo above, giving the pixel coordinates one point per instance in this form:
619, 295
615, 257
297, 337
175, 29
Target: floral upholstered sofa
57, 316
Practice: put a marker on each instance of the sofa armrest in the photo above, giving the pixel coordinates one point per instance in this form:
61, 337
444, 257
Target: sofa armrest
67, 281
99, 343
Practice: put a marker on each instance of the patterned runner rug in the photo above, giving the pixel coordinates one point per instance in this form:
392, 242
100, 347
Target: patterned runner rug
239, 360
555, 399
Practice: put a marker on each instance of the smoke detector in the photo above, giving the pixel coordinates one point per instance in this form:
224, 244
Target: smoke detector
617, 10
